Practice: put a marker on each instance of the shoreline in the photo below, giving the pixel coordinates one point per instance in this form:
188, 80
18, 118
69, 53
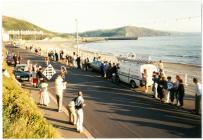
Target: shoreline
72, 45
171, 69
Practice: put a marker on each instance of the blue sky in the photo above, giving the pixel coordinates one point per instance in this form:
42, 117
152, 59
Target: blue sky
60, 15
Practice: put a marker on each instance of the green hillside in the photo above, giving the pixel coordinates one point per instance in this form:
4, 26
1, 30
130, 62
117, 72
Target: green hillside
126, 31
10, 23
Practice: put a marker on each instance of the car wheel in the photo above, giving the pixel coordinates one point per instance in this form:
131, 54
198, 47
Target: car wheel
133, 84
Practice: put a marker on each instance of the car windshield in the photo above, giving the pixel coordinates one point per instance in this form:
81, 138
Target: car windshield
20, 68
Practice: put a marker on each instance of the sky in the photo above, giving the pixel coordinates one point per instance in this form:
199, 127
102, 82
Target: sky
60, 15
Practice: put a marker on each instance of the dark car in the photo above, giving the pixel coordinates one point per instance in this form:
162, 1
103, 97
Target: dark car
20, 73
95, 65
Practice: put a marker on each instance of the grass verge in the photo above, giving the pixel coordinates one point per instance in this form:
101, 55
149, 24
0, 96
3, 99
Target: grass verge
21, 117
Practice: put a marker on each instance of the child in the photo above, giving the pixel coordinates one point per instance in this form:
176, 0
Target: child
169, 88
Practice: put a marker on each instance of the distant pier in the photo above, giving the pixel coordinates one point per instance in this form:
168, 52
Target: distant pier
121, 38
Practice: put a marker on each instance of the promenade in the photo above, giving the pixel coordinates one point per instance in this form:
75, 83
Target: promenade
114, 111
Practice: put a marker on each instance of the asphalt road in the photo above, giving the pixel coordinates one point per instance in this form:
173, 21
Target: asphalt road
114, 111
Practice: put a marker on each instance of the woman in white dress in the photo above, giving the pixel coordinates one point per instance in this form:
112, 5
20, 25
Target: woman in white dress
44, 95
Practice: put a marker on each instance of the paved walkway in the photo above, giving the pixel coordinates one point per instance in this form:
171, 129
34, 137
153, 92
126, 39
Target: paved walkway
58, 119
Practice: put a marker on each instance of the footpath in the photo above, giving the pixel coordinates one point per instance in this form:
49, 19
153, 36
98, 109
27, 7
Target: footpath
58, 119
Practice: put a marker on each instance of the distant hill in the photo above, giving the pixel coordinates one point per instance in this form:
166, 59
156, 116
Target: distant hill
126, 31
10, 23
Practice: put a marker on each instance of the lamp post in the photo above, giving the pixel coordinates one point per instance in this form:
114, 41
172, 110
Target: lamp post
76, 21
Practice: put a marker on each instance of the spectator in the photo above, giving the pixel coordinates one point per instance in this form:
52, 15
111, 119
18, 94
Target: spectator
161, 72
145, 77
63, 72
59, 87
155, 84
19, 58
94, 59
15, 59
181, 93
165, 88
47, 60
74, 60
34, 76
160, 65
175, 89
198, 95
108, 71
31, 48
169, 88
36, 51
79, 104
86, 62
78, 62
72, 112
39, 76
56, 56
162, 85
44, 96
102, 69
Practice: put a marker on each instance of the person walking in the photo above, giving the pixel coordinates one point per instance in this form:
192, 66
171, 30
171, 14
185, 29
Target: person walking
79, 104
198, 95
59, 87
44, 96
181, 93
63, 72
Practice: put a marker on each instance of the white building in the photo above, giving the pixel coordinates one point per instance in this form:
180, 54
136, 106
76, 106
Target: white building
5, 36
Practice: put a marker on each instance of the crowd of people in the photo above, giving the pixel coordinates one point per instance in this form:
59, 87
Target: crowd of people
163, 88
173, 92
16, 58
40, 81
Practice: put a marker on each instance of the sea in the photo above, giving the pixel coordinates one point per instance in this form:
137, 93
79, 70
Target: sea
182, 48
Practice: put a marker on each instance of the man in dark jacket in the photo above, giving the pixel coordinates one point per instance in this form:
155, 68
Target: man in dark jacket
15, 59
78, 62
102, 69
56, 56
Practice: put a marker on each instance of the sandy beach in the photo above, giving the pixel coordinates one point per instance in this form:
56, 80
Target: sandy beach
186, 72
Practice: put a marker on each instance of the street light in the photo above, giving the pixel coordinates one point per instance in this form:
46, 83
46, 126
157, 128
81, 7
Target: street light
76, 21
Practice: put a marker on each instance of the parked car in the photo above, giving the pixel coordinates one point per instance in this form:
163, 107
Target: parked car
16, 45
20, 72
95, 65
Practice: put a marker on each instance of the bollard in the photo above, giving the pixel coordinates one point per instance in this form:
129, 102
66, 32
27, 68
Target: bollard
186, 79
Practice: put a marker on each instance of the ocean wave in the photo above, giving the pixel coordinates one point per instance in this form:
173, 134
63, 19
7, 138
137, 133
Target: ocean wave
186, 56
